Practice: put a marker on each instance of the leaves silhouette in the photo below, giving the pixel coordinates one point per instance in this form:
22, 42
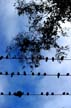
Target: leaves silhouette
44, 19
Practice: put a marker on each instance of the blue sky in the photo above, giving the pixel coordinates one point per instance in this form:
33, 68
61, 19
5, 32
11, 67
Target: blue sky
10, 25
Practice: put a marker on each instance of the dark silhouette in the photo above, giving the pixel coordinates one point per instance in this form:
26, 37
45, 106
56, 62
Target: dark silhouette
43, 30
12, 74
32, 74
58, 75
20, 94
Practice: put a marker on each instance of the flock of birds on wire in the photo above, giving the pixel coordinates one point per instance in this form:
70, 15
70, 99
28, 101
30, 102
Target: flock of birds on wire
37, 57
20, 93
32, 74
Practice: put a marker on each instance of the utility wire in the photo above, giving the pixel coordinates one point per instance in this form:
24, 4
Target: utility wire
34, 74
20, 94
32, 58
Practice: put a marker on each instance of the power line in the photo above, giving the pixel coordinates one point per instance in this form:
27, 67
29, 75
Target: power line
33, 58
20, 94
34, 74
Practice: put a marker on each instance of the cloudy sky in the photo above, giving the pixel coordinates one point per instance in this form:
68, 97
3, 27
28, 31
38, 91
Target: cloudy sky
10, 25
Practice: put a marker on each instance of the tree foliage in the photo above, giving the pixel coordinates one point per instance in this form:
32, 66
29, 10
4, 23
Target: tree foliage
44, 20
